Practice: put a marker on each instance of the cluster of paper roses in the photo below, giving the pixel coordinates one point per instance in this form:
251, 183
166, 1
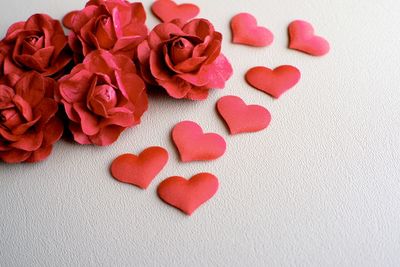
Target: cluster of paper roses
94, 81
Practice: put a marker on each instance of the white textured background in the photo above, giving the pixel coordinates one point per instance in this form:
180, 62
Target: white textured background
319, 187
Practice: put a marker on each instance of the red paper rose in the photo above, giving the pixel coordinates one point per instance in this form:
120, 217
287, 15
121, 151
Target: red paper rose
114, 25
185, 60
102, 96
38, 44
28, 125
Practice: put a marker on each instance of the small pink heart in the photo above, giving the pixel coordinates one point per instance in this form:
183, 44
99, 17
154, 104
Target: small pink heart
139, 170
194, 145
273, 82
168, 10
245, 31
242, 118
302, 38
188, 195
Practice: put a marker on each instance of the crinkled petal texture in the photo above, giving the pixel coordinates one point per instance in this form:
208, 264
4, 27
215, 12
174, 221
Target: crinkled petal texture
37, 44
102, 96
184, 59
114, 25
28, 122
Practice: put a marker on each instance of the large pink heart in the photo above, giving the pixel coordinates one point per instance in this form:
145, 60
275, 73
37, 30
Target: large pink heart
167, 10
302, 38
188, 195
245, 31
194, 145
242, 118
273, 82
139, 170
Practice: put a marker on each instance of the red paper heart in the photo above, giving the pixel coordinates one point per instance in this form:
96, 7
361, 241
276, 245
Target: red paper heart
302, 38
245, 31
242, 118
194, 145
167, 10
188, 195
139, 170
273, 82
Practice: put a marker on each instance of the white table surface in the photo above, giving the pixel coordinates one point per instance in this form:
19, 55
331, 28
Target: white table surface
319, 187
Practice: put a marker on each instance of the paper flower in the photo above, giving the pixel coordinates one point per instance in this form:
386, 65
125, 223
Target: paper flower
185, 60
28, 124
101, 97
114, 25
38, 44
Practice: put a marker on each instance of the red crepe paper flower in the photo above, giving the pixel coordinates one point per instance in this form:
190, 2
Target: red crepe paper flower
28, 123
185, 60
38, 44
101, 97
114, 25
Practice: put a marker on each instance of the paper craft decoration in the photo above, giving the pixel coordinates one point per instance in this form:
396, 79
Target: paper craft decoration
184, 59
273, 82
167, 10
302, 38
139, 170
188, 195
245, 31
194, 145
242, 118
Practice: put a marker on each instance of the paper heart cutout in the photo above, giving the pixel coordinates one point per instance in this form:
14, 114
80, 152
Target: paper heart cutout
302, 38
245, 31
273, 82
242, 118
194, 145
188, 195
167, 10
139, 170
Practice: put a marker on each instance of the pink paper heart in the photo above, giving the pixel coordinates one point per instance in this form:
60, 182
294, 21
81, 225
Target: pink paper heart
139, 170
167, 10
273, 82
302, 38
242, 118
194, 145
188, 195
245, 31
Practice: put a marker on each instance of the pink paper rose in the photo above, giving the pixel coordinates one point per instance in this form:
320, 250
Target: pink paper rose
185, 60
28, 123
101, 97
114, 25
38, 44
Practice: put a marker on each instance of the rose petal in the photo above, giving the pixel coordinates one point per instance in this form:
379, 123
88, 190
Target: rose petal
107, 135
74, 88
68, 19
100, 61
29, 141
31, 88
198, 94
89, 122
23, 107
14, 156
7, 135
52, 131
199, 27
39, 154
162, 32
218, 72
177, 88
78, 134
157, 67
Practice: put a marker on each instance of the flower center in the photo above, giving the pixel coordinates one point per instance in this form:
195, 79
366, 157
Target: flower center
32, 39
181, 50
10, 118
104, 99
